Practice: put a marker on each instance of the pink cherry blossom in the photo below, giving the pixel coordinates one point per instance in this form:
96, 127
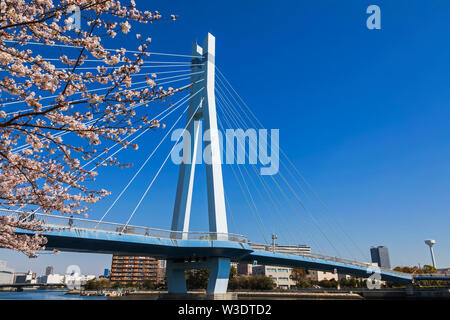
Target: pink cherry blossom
39, 166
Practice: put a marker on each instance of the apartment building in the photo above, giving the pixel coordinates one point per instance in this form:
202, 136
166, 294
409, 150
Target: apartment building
137, 269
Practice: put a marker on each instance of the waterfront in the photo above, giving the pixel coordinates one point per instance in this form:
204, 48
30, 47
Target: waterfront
62, 295
45, 295
331, 294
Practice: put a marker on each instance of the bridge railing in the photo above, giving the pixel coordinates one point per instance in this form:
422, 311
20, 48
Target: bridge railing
310, 255
366, 265
67, 222
431, 275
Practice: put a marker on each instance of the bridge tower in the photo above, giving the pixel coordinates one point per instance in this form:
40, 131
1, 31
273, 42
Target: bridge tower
202, 108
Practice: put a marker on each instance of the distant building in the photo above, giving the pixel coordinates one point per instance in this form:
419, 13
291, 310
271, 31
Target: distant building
6, 274
49, 270
380, 255
244, 269
25, 277
280, 275
106, 273
137, 269
77, 279
345, 276
52, 279
444, 271
316, 275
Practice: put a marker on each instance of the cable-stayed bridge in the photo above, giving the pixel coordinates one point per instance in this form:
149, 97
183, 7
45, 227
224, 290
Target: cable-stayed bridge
187, 250
215, 249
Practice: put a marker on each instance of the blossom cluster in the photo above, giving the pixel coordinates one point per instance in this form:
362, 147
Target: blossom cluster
47, 173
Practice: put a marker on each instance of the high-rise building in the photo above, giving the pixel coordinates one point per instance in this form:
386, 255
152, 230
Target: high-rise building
380, 256
137, 269
49, 270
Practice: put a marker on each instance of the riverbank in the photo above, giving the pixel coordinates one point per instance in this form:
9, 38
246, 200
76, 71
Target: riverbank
46, 294
314, 294
361, 294
298, 296
201, 295
18, 288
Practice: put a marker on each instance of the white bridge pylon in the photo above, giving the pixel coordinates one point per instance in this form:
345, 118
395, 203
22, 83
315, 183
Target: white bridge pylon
202, 107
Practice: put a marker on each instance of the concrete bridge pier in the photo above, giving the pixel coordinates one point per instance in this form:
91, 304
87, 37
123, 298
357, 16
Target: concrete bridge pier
217, 283
176, 278
218, 276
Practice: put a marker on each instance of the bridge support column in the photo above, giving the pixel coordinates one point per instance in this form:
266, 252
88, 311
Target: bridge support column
409, 289
218, 276
176, 279
202, 108
219, 273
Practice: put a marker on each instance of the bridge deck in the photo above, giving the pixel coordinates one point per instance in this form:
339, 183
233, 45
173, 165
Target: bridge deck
83, 235
104, 237
66, 223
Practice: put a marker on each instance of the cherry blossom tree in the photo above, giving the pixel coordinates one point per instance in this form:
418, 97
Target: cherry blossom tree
40, 166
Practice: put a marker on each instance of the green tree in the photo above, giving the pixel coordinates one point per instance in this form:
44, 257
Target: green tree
117, 285
97, 284
429, 269
350, 283
197, 279
261, 282
233, 272
328, 283
162, 285
130, 285
148, 285
407, 269
300, 277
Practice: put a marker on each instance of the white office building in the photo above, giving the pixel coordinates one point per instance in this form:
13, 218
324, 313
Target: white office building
52, 279
25, 277
6, 274
280, 275
77, 279
57, 279
317, 275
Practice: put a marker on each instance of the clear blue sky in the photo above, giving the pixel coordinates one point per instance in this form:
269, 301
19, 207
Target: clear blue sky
364, 115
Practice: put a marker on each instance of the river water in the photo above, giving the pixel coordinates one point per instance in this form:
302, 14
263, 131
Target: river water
44, 295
